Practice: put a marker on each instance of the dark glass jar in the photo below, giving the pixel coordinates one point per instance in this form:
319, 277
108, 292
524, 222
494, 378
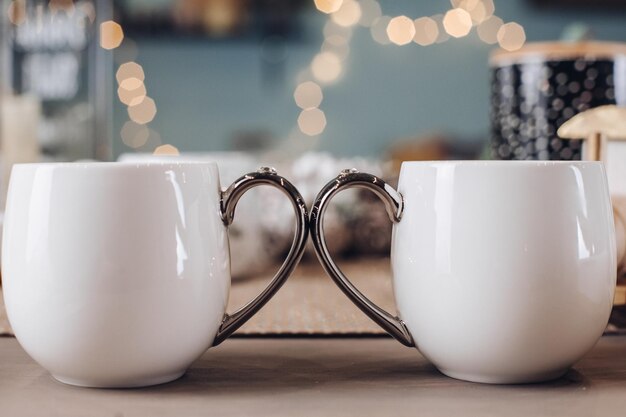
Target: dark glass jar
536, 89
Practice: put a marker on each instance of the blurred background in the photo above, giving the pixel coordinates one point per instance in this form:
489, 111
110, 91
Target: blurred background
308, 86
348, 77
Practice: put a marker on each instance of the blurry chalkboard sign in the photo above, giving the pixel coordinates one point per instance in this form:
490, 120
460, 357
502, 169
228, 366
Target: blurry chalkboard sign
51, 51
215, 19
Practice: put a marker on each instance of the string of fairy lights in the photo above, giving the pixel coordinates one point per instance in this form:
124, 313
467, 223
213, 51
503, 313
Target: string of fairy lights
344, 15
132, 92
327, 66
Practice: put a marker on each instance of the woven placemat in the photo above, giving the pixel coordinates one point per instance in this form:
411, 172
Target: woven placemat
309, 303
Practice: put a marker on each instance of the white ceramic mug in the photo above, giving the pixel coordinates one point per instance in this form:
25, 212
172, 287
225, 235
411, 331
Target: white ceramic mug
247, 236
118, 274
503, 271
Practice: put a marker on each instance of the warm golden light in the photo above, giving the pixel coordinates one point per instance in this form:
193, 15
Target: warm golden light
426, 31
129, 70
142, 112
308, 95
88, 10
457, 22
312, 122
442, 35
337, 45
328, 6
379, 30
488, 30
511, 36
58, 5
486, 10
134, 135
131, 96
400, 30
219, 17
370, 11
131, 83
479, 10
111, 34
348, 14
16, 12
166, 150
326, 67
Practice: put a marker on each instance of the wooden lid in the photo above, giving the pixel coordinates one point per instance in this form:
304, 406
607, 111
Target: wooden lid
557, 51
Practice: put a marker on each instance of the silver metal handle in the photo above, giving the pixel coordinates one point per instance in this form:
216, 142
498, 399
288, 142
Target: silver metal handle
230, 197
394, 204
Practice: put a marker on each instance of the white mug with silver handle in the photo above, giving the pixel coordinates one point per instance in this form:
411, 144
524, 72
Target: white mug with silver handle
503, 271
118, 274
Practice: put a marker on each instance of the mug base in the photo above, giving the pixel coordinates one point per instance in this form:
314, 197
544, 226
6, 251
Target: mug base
131, 383
506, 379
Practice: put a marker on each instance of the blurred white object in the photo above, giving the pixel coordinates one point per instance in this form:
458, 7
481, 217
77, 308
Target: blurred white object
615, 159
309, 173
19, 121
246, 236
604, 131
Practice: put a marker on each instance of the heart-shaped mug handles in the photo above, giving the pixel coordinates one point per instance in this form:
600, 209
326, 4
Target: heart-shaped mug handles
394, 204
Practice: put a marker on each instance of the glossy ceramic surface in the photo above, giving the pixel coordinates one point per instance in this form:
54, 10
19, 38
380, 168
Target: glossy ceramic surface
118, 274
246, 235
503, 272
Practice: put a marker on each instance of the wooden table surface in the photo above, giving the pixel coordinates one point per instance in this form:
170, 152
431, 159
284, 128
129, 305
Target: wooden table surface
319, 377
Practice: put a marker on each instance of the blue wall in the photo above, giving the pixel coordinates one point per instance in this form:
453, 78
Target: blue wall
207, 91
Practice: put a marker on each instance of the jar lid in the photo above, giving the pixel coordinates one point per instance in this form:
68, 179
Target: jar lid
557, 51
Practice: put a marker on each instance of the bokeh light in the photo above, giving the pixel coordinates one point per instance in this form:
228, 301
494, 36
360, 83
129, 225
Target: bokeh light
88, 10
328, 6
479, 10
56, 6
326, 67
142, 112
111, 34
308, 95
511, 36
337, 45
426, 31
348, 14
370, 11
442, 35
16, 12
129, 70
401, 30
488, 30
131, 96
379, 30
166, 149
312, 122
457, 22
134, 135
131, 83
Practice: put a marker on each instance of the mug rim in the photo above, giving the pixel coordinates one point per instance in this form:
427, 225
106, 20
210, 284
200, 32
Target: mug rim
116, 165
496, 163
